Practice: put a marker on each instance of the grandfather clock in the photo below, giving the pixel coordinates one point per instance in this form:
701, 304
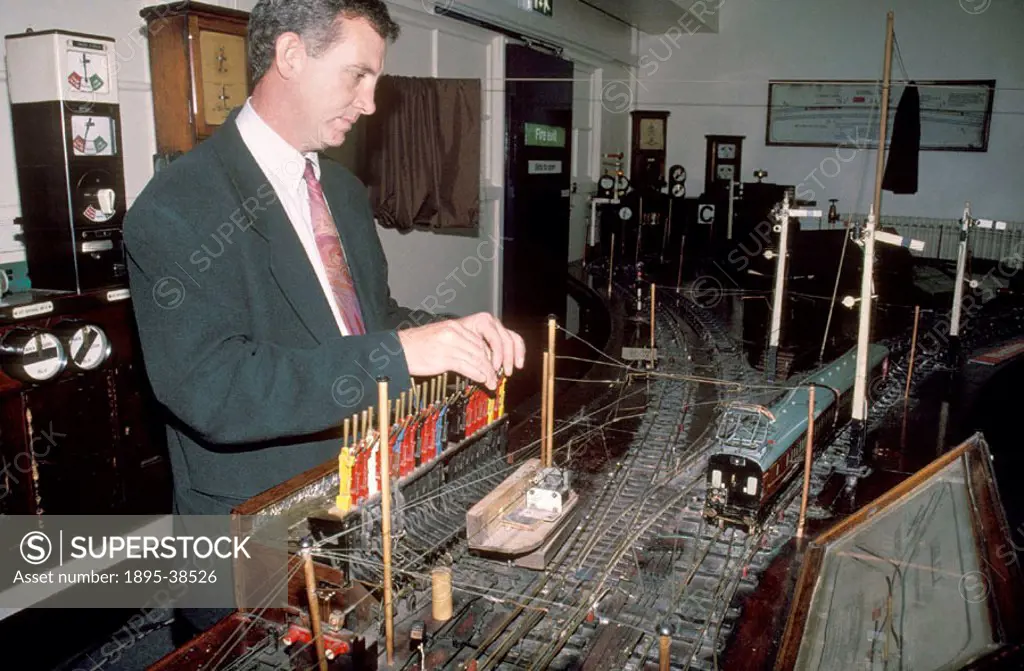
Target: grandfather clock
199, 65
649, 149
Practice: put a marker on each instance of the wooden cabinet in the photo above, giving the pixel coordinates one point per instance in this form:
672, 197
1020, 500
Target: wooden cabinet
82, 441
199, 66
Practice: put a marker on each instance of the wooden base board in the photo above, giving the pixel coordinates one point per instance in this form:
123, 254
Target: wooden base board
539, 558
497, 526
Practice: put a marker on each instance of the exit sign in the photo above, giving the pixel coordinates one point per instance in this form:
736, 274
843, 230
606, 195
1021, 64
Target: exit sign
545, 7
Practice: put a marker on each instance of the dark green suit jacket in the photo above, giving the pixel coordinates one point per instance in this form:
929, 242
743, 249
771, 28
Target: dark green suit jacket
238, 340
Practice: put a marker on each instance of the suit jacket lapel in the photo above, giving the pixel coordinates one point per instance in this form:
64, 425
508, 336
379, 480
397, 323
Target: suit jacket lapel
289, 264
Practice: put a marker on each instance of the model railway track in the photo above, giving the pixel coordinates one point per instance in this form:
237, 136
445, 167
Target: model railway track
615, 567
602, 538
640, 499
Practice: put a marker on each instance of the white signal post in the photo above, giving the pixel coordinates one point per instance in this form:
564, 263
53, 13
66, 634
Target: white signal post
958, 286
858, 428
956, 314
771, 361
864, 326
860, 404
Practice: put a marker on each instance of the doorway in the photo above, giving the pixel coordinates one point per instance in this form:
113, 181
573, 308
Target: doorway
538, 116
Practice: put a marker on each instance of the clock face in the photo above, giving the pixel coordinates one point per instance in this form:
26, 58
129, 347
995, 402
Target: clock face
88, 71
92, 135
726, 172
224, 70
726, 151
652, 134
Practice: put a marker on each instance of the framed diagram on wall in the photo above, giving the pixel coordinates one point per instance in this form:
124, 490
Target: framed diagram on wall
955, 114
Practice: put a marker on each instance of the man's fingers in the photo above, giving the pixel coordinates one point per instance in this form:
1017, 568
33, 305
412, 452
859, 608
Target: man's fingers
508, 350
470, 338
471, 349
475, 368
491, 330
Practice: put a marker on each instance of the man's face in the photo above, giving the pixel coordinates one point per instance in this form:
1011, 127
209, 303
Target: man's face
337, 87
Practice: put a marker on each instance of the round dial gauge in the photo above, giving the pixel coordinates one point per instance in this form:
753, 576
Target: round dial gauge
87, 345
606, 182
32, 355
678, 190
622, 183
677, 173
625, 213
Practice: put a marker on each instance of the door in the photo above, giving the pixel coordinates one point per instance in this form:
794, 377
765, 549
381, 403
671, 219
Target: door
538, 108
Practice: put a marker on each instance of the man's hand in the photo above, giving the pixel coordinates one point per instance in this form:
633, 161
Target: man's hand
476, 347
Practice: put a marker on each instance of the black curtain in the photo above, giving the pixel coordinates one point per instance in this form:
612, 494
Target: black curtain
422, 163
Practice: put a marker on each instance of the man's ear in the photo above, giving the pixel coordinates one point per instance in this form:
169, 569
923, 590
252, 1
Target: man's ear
290, 55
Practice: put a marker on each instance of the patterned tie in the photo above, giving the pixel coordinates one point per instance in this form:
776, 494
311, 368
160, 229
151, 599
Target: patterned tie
333, 256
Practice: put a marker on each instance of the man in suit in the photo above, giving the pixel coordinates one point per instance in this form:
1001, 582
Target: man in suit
259, 283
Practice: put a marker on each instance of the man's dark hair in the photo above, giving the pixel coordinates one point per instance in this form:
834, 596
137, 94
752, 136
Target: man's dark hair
313, 20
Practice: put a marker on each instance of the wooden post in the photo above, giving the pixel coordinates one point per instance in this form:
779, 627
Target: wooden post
913, 348
883, 121
544, 411
611, 266
653, 358
552, 326
385, 514
314, 604
807, 461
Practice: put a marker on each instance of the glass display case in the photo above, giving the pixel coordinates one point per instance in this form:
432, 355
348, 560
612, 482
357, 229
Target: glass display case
924, 577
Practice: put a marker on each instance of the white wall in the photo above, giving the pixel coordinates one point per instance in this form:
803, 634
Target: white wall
423, 266
114, 18
718, 84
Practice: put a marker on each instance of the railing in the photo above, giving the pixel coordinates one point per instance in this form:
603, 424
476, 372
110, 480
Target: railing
941, 237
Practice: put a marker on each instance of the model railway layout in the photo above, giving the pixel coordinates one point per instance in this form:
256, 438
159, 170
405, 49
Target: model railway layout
640, 559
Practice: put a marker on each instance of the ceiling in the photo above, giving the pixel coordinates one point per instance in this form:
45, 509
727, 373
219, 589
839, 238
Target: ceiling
656, 17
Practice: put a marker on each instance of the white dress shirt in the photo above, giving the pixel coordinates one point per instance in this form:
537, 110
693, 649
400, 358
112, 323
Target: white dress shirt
284, 166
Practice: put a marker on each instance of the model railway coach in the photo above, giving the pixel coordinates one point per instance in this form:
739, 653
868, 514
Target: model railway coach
759, 450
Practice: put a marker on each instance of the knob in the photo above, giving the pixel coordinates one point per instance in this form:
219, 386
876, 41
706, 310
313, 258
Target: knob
106, 199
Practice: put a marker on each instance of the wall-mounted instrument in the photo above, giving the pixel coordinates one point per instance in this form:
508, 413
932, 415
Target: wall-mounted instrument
66, 120
198, 58
649, 149
677, 181
723, 160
